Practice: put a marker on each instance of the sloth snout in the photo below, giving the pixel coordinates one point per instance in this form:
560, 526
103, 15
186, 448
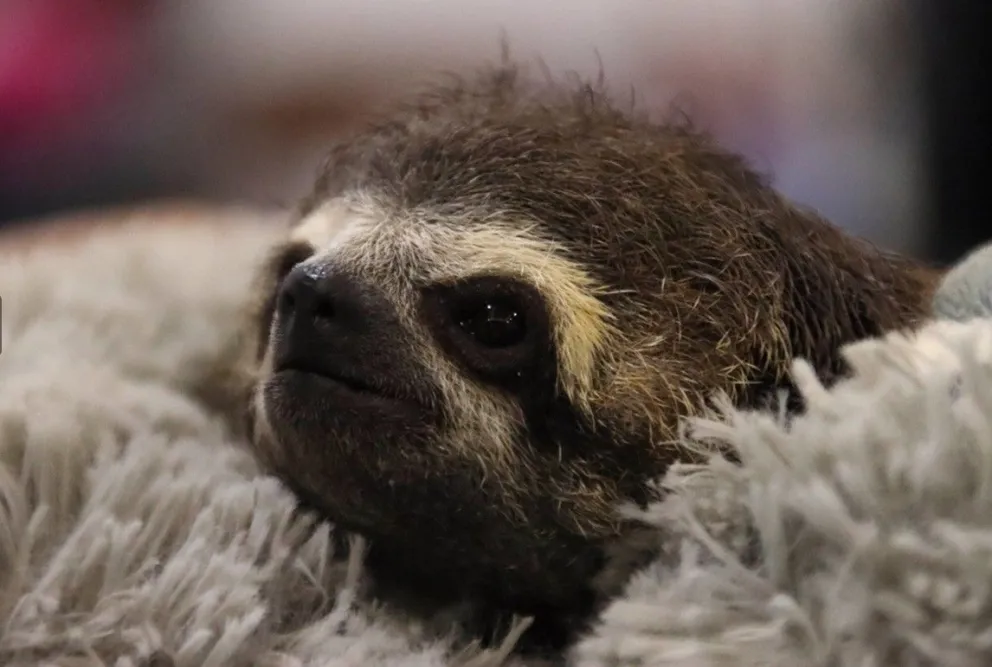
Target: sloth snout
329, 319
333, 303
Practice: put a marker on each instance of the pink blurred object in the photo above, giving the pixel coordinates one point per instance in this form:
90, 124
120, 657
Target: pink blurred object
59, 61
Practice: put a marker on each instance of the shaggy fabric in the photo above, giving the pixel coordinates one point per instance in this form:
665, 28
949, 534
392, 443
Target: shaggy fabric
966, 289
857, 534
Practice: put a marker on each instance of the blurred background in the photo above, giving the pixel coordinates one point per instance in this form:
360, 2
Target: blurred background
870, 111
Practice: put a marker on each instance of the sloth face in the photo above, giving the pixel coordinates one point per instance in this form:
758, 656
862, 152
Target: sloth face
495, 308
428, 382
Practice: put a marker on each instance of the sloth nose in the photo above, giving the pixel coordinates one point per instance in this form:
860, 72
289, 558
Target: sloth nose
329, 302
333, 323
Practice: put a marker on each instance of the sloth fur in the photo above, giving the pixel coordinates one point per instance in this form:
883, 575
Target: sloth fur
649, 269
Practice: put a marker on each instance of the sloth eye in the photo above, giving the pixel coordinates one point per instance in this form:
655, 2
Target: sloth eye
495, 327
495, 322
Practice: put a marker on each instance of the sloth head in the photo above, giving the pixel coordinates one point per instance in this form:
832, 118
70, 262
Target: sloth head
487, 321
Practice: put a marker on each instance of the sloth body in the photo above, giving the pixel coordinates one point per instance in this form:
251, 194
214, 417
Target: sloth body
478, 335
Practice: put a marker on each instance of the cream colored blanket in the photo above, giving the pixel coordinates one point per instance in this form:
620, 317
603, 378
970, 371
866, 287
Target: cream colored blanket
133, 531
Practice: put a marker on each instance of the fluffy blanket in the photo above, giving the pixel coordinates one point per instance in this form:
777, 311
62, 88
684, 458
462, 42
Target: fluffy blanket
857, 534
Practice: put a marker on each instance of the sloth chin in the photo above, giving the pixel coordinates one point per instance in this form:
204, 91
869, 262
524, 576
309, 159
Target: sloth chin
363, 460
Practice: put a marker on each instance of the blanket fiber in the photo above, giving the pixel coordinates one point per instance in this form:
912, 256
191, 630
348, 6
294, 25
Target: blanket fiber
859, 533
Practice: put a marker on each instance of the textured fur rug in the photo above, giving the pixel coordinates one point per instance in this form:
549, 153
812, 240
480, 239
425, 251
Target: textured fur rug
857, 534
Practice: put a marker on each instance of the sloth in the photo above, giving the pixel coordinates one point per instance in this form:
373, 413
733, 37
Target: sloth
488, 319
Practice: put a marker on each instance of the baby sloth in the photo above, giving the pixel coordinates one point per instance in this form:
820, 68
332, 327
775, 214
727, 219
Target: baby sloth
494, 309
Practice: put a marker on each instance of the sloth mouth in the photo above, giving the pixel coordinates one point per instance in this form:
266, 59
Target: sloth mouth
331, 393
350, 388
325, 376
308, 392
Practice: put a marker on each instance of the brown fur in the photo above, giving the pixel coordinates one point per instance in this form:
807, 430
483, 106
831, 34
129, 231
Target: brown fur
668, 270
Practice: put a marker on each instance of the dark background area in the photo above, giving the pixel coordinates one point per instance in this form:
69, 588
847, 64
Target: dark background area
874, 112
957, 99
